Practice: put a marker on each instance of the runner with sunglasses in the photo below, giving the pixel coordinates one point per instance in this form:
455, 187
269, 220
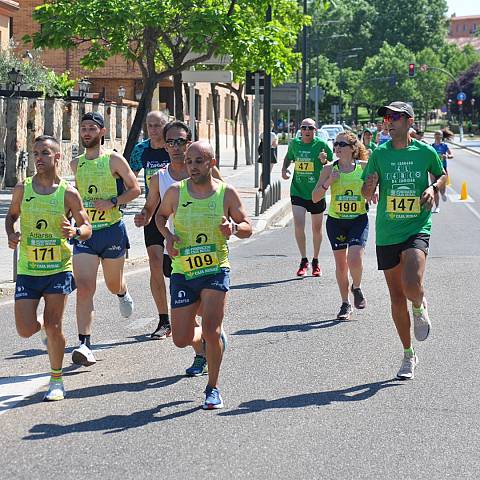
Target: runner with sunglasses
309, 153
401, 168
151, 155
347, 223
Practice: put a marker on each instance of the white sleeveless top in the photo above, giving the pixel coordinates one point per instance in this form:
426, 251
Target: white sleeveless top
165, 181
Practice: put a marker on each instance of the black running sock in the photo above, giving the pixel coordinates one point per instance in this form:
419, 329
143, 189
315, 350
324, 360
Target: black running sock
163, 319
305, 259
84, 339
121, 295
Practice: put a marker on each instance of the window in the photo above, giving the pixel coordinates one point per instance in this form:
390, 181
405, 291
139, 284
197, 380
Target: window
198, 106
464, 27
210, 108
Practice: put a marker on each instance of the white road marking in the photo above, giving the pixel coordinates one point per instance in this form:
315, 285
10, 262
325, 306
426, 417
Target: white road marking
140, 323
16, 389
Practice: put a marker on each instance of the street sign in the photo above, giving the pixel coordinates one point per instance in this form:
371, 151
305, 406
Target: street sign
443, 109
423, 67
213, 60
461, 96
207, 76
320, 93
286, 97
250, 82
334, 108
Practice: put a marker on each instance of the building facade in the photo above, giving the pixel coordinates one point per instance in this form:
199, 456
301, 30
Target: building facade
8, 9
464, 31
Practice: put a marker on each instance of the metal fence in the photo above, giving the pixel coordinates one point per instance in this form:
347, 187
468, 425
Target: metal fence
271, 195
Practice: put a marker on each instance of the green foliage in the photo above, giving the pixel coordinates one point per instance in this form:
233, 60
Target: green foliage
35, 75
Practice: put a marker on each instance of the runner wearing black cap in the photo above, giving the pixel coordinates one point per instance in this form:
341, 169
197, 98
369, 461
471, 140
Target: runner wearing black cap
401, 168
105, 181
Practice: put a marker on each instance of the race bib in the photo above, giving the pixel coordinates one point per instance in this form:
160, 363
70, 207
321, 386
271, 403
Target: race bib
44, 254
198, 261
304, 167
403, 205
345, 206
98, 218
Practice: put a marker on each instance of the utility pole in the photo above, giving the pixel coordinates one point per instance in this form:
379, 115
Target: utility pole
267, 107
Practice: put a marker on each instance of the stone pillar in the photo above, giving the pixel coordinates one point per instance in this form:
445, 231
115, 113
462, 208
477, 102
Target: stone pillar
54, 117
35, 123
3, 139
16, 151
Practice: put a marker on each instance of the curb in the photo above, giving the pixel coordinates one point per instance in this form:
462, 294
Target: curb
274, 215
470, 149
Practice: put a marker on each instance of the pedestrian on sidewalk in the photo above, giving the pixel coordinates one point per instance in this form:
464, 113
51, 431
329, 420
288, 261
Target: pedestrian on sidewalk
273, 153
306, 153
401, 168
44, 203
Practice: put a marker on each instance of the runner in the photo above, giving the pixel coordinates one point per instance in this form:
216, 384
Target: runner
100, 176
401, 168
305, 152
43, 203
150, 155
367, 141
206, 212
444, 153
347, 223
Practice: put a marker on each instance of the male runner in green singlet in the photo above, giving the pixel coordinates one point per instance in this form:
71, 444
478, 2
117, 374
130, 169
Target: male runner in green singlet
206, 213
43, 203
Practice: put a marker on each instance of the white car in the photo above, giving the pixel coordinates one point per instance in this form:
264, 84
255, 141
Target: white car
322, 134
332, 131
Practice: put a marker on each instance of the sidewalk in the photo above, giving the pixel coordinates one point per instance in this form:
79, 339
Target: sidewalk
242, 178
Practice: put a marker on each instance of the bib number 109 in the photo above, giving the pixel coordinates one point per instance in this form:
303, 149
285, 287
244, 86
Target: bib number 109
199, 261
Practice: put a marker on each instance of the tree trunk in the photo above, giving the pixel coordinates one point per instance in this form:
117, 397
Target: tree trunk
178, 93
216, 122
235, 137
143, 108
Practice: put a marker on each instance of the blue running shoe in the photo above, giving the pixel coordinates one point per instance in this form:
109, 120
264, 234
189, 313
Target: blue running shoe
213, 399
199, 367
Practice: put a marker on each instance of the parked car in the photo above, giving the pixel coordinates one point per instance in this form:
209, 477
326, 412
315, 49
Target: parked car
331, 131
319, 134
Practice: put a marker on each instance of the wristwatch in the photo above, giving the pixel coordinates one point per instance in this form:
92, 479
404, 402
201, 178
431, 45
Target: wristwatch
78, 233
434, 186
114, 200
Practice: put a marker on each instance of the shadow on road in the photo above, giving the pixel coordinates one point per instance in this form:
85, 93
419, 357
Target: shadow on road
264, 284
297, 327
351, 394
111, 423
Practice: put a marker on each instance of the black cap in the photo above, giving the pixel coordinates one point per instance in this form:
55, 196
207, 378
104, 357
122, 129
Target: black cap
400, 107
94, 117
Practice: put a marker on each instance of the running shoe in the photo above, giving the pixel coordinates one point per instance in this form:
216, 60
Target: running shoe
407, 369
302, 270
358, 298
56, 391
126, 305
199, 367
316, 271
43, 337
213, 399
436, 210
162, 332
444, 197
421, 323
345, 312
83, 356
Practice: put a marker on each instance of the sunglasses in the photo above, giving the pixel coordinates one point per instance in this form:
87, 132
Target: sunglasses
341, 144
176, 142
307, 127
392, 117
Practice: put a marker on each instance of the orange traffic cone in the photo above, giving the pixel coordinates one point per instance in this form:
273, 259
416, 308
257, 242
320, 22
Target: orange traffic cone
464, 193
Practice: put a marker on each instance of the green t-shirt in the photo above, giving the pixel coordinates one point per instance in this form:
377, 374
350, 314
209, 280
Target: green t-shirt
403, 177
307, 165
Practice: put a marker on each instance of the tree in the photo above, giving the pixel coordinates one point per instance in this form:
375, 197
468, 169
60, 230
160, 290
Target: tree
157, 36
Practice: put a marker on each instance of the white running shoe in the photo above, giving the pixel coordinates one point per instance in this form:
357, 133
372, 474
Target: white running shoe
126, 305
444, 197
436, 210
421, 323
83, 356
407, 369
56, 391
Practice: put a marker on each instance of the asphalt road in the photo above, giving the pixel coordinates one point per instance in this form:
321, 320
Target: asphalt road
306, 396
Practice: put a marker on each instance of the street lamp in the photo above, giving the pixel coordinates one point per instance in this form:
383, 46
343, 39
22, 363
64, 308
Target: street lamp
15, 78
83, 87
122, 91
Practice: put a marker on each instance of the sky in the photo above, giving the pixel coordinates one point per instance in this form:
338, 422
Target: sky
463, 7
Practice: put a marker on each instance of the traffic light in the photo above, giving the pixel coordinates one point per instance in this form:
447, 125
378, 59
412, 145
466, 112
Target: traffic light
460, 103
411, 69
